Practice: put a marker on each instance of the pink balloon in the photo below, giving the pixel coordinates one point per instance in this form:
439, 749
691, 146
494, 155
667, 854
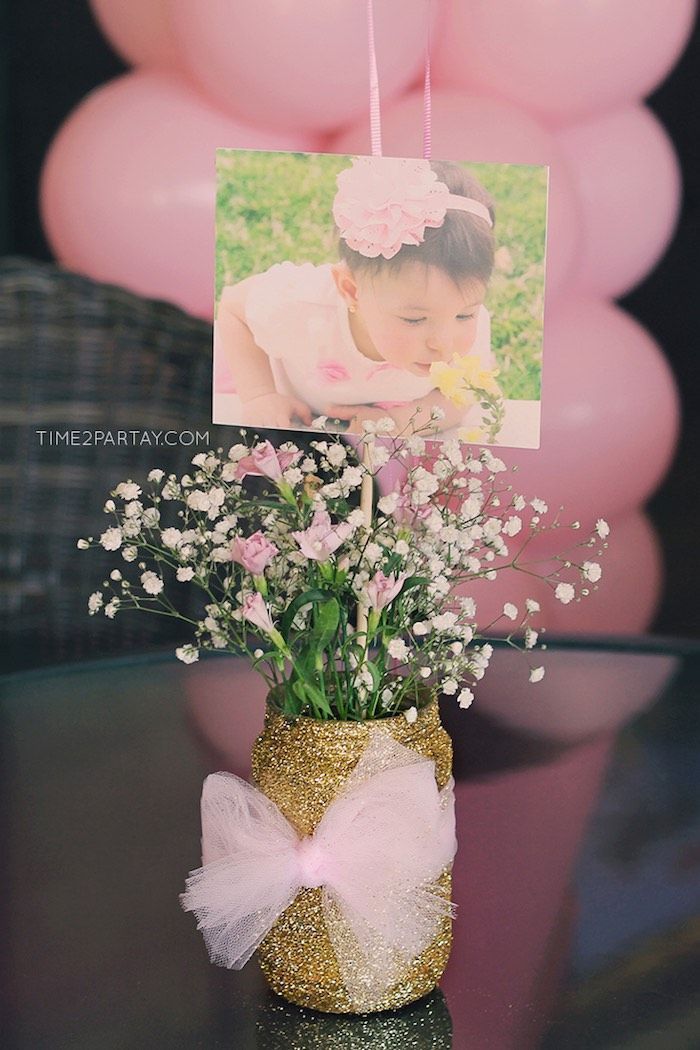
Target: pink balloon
128, 187
468, 128
582, 693
628, 594
139, 30
298, 65
610, 413
559, 58
624, 603
629, 185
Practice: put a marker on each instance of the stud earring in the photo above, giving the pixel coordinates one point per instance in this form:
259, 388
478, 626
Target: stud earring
352, 308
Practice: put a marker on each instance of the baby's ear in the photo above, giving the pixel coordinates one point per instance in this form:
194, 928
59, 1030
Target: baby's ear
345, 283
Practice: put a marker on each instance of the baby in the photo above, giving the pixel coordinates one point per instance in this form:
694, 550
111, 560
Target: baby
356, 339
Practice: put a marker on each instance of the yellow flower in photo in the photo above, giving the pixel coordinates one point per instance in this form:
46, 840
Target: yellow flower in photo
471, 435
457, 380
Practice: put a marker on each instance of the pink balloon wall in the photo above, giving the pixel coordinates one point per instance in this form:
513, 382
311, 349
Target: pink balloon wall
128, 189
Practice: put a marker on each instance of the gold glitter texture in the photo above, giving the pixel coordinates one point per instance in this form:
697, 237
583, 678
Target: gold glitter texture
301, 764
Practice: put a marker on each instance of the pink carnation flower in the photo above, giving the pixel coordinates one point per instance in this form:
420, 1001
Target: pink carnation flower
254, 553
383, 203
321, 539
255, 611
381, 589
265, 461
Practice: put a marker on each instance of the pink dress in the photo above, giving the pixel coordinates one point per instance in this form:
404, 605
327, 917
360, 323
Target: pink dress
297, 317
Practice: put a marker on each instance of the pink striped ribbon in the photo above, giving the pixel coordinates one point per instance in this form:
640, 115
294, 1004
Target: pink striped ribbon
375, 122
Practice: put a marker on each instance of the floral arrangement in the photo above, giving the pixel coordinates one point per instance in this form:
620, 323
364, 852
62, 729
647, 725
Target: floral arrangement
348, 613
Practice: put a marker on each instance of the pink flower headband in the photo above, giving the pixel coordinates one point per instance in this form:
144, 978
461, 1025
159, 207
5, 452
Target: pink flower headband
383, 203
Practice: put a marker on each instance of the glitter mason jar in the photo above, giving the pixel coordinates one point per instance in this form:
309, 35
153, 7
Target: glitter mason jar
301, 764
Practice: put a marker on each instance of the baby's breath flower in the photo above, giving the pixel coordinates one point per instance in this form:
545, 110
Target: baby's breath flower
130, 553
111, 539
564, 592
450, 686
127, 490
531, 605
156, 475
398, 649
592, 571
411, 715
530, 638
189, 654
465, 698
95, 602
115, 574
602, 528
510, 610
537, 674
83, 545
151, 582
184, 573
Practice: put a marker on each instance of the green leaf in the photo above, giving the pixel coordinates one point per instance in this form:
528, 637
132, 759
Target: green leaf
327, 619
307, 598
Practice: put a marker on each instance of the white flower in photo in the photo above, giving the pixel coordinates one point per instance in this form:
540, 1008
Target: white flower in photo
471, 507
510, 610
425, 672
468, 606
411, 715
531, 605
450, 686
184, 573
402, 548
189, 654
151, 582
564, 592
602, 528
356, 518
387, 504
465, 698
519, 503
115, 574
95, 602
398, 649
150, 517
110, 506
171, 537
437, 413
420, 628
111, 608
111, 539
386, 425
537, 674
319, 423
467, 633
513, 525
156, 475
130, 553
456, 648
83, 545
127, 490
539, 506
592, 571
308, 465
380, 456
293, 476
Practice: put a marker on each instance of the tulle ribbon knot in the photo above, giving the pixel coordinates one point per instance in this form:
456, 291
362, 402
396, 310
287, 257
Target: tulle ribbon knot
377, 852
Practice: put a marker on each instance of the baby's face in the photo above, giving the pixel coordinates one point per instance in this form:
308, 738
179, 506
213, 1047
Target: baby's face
419, 315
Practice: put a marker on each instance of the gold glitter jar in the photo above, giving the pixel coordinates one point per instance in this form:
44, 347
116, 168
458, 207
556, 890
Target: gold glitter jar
301, 764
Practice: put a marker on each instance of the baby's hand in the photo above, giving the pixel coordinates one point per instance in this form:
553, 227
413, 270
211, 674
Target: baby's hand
275, 410
356, 415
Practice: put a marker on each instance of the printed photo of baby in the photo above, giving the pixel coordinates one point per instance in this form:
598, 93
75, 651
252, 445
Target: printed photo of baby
358, 288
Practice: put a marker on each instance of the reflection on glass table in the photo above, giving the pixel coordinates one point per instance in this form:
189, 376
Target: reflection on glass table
577, 878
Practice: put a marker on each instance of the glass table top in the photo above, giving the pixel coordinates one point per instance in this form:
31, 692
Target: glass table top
577, 878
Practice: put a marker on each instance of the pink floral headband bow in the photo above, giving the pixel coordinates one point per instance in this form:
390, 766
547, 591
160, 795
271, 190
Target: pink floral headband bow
383, 203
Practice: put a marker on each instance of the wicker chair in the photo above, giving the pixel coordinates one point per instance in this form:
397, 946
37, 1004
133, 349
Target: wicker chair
81, 357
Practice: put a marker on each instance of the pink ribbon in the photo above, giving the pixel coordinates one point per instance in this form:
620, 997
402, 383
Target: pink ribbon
376, 853
375, 123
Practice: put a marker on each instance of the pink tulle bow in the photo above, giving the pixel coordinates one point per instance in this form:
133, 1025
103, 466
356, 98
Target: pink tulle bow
376, 853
